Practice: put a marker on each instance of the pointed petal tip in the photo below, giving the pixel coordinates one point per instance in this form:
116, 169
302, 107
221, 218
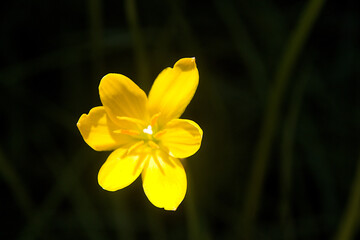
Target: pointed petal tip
107, 188
170, 209
186, 64
78, 124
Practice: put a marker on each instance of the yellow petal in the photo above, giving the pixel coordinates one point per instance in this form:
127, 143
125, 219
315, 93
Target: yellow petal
120, 170
164, 181
98, 131
173, 90
121, 97
182, 138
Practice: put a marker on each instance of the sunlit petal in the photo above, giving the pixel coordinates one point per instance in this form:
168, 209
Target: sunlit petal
99, 131
164, 181
120, 170
121, 97
182, 138
173, 90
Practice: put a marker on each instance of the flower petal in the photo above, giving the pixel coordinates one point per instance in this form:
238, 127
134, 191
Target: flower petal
120, 170
121, 97
97, 129
173, 90
181, 137
164, 181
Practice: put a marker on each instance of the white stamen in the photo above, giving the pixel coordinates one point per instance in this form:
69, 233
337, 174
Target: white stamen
148, 130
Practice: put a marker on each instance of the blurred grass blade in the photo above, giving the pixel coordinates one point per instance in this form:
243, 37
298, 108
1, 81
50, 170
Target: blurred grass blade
262, 151
96, 36
195, 229
83, 206
244, 45
141, 60
287, 147
42, 216
350, 220
13, 180
122, 219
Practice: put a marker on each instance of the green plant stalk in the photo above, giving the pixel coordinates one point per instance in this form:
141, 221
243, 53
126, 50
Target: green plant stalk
287, 146
243, 44
195, 229
350, 218
13, 180
41, 216
139, 46
122, 219
96, 36
83, 207
192, 217
155, 224
262, 151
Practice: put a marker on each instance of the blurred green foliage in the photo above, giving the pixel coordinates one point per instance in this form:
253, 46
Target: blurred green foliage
278, 101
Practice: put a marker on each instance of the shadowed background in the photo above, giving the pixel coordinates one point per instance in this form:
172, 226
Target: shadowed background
278, 101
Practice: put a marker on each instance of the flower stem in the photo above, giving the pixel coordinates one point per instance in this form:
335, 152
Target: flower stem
195, 228
262, 151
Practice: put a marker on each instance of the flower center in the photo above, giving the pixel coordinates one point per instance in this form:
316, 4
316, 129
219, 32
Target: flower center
148, 138
148, 130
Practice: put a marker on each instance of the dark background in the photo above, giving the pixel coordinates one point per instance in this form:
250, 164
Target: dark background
290, 131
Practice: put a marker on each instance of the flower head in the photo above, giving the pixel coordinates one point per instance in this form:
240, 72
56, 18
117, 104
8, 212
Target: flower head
145, 132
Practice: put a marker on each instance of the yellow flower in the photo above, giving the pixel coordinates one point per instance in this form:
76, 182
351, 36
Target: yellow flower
145, 133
